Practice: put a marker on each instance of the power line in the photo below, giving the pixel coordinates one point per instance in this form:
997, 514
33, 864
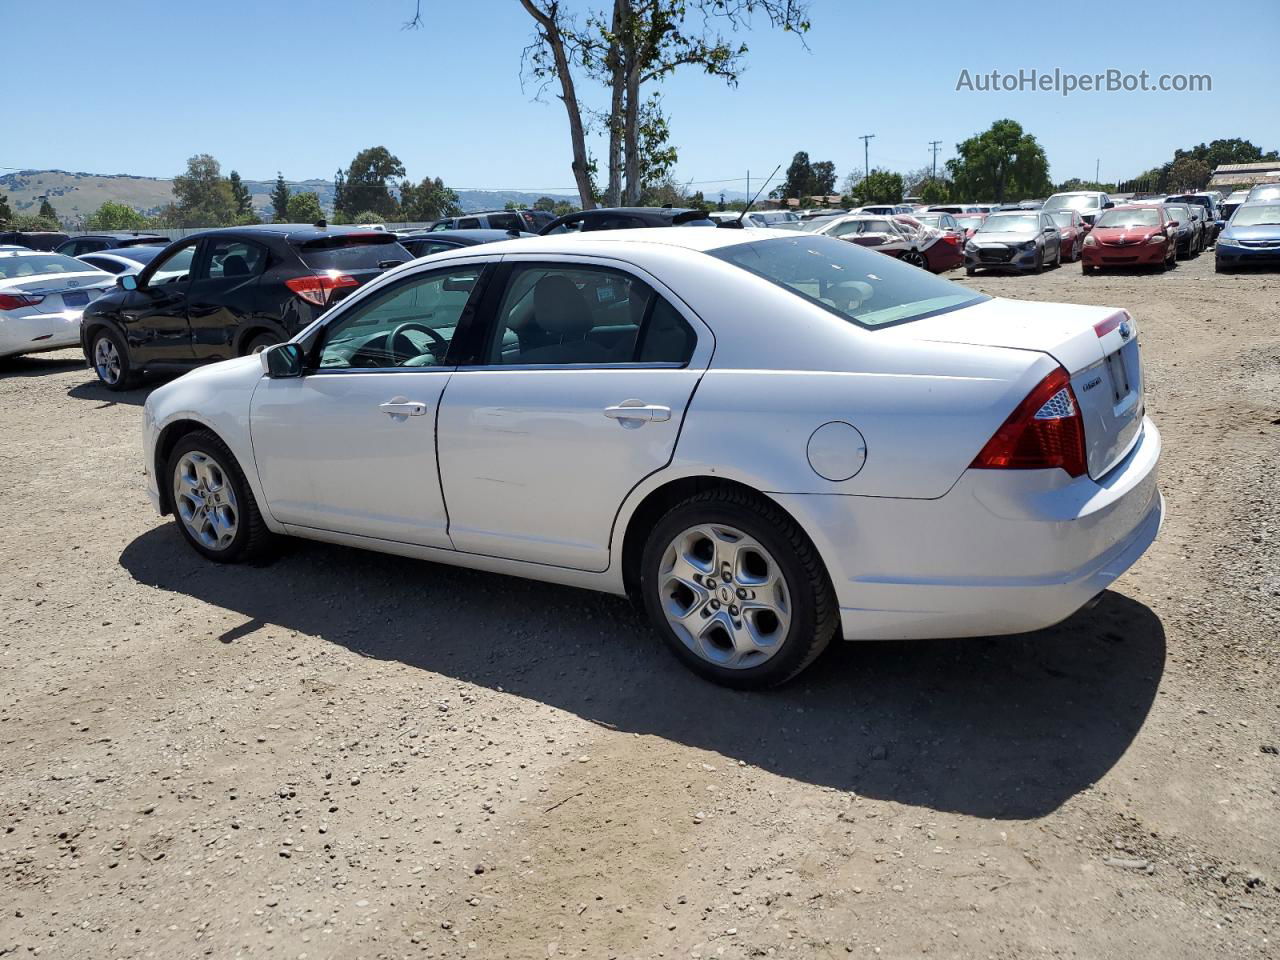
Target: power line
866, 139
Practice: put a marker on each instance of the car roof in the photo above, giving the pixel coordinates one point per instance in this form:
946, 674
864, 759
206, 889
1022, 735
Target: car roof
116, 235
128, 253
464, 236
296, 232
25, 252
635, 240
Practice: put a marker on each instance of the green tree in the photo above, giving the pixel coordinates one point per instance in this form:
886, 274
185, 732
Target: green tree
31, 221
799, 177
280, 199
115, 216
545, 203
6, 213
824, 178
934, 190
240, 194
367, 216
879, 186
366, 183
428, 200
1001, 163
46, 210
303, 208
202, 196
1188, 173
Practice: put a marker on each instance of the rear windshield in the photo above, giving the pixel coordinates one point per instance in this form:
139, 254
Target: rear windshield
353, 251
15, 268
1148, 217
856, 284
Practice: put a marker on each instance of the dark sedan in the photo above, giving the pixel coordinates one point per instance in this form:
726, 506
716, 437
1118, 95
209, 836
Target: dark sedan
228, 292
627, 218
93, 242
437, 241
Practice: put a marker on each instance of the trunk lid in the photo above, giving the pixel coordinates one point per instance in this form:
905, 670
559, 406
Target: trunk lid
61, 291
1097, 346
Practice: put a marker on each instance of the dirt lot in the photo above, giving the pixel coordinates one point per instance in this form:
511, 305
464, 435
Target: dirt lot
349, 755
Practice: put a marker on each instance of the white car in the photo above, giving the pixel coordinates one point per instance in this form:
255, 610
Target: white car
122, 262
41, 298
759, 219
770, 438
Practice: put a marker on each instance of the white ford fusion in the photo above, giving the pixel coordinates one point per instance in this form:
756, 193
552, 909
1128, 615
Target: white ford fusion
42, 296
769, 438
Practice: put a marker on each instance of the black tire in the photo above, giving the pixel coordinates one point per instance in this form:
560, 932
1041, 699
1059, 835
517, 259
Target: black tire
127, 377
1039, 267
915, 258
970, 271
252, 541
1218, 266
814, 612
260, 342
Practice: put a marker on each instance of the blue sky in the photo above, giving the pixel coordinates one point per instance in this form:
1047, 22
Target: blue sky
302, 86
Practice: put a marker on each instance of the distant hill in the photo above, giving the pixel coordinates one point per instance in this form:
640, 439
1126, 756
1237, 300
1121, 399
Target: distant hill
76, 195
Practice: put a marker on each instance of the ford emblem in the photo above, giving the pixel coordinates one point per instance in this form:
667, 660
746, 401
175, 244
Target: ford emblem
1125, 330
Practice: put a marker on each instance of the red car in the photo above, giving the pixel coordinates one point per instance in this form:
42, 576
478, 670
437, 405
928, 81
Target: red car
1071, 230
905, 239
1130, 236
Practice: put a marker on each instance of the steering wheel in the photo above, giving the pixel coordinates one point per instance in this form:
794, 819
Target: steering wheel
399, 334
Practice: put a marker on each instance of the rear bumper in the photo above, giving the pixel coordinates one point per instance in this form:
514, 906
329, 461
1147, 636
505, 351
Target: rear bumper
36, 332
1002, 552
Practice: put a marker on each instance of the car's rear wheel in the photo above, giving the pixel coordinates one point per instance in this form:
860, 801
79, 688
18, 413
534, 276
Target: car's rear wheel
110, 358
261, 342
737, 590
212, 503
915, 258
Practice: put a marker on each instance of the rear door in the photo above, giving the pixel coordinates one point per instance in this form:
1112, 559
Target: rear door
223, 297
583, 376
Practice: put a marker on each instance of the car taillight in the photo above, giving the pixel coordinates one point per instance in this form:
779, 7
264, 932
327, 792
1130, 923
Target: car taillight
14, 301
318, 288
1045, 431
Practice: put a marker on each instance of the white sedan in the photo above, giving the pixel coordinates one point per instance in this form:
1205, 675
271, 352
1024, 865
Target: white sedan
769, 438
42, 296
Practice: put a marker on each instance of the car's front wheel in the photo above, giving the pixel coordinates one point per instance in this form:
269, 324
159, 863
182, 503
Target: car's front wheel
212, 503
737, 590
110, 358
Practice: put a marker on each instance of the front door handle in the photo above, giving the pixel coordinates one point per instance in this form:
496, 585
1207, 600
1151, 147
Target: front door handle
399, 408
635, 412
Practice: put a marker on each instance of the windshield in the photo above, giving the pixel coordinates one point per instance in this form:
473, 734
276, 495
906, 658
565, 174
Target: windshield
859, 285
1256, 215
1061, 219
970, 223
1077, 202
15, 268
1146, 217
1268, 192
1011, 223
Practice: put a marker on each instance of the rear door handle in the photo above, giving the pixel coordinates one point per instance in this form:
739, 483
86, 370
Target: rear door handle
637, 412
399, 408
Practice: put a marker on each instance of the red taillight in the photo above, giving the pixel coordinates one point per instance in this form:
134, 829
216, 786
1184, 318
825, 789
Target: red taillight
318, 288
14, 301
1045, 431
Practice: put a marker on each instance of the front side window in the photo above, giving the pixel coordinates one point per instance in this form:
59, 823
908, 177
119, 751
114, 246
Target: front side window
562, 314
232, 259
175, 268
410, 324
858, 285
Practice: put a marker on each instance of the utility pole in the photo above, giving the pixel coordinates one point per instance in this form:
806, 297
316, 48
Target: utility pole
933, 145
1097, 170
866, 139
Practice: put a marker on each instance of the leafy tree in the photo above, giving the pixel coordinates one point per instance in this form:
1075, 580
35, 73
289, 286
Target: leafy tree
339, 193
1188, 173
115, 216
33, 222
303, 208
656, 155
934, 190
879, 186
280, 199
1075, 183
365, 188
240, 194
799, 176
1000, 163
6, 213
564, 207
429, 199
545, 203
46, 210
824, 179
202, 195
367, 216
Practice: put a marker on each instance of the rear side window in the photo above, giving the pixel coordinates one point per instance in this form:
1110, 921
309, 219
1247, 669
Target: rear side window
354, 251
231, 259
469, 223
859, 285
505, 221
102, 263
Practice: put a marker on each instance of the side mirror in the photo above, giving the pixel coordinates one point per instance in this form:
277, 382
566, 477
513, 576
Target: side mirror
283, 361
127, 282
1172, 223
1108, 205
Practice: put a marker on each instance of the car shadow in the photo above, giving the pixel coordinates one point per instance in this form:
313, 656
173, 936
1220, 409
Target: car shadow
39, 364
93, 390
1007, 727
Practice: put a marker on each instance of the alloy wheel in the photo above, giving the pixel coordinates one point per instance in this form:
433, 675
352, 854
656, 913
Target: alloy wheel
724, 596
106, 360
914, 257
205, 501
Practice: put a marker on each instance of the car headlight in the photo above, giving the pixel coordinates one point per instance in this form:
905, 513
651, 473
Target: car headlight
1157, 238
1225, 241
1089, 241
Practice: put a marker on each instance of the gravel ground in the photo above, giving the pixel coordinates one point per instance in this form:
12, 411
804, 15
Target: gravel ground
349, 755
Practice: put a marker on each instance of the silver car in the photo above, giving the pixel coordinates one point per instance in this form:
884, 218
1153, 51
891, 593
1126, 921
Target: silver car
1025, 241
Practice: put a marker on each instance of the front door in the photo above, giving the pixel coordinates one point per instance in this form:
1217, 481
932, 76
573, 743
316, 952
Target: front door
350, 446
585, 376
223, 296
155, 315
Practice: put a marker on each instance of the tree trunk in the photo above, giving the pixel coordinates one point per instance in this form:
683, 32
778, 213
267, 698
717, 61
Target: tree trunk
617, 85
548, 21
631, 129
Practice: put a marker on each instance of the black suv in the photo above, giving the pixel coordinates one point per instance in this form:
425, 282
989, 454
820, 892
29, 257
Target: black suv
627, 218
228, 292
93, 242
